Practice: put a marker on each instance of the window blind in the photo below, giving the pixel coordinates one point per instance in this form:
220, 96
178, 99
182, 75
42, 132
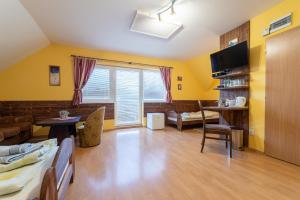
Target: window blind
98, 87
154, 89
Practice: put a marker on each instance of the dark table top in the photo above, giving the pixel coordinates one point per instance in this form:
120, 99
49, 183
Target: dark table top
219, 108
57, 121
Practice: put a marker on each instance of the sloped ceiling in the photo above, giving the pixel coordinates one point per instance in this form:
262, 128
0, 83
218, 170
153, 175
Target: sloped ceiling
105, 24
20, 36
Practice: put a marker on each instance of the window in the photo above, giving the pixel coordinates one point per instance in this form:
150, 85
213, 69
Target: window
99, 86
154, 89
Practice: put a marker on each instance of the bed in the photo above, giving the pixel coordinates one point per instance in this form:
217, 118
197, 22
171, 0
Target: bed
52, 175
181, 119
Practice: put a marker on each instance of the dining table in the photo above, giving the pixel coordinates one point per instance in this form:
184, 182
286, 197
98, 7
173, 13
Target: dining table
60, 128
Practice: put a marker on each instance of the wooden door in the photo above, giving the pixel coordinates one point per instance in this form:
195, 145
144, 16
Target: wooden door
282, 130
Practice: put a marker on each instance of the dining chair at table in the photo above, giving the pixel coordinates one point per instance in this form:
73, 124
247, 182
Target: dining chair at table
216, 129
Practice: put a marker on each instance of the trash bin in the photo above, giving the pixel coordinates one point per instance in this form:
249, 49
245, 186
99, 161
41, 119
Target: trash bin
237, 139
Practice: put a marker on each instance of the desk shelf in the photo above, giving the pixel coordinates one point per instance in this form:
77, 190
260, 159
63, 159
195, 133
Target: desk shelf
222, 108
237, 74
233, 88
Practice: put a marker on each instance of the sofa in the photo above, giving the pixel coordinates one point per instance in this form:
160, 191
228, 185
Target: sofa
15, 129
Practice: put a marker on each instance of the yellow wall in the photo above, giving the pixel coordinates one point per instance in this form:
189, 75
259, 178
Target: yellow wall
258, 65
29, 79
201, 67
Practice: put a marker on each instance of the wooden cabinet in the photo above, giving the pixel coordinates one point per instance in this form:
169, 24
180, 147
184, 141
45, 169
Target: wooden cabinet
282, 129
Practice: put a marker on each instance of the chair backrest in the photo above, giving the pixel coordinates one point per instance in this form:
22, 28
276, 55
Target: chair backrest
202, 113
96, 119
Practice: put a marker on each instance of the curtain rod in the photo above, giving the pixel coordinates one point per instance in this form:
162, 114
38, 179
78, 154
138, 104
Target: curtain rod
120, 61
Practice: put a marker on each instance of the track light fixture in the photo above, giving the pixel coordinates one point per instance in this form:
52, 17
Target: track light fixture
169, 6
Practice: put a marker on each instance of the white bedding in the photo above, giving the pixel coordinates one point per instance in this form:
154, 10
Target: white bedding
32, 188
193, 116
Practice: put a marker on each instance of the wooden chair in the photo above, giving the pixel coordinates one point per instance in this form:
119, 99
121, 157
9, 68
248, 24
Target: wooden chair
90, 132
218, 129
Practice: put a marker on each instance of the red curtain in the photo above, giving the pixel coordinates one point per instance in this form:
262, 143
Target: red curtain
83, 68
166, 77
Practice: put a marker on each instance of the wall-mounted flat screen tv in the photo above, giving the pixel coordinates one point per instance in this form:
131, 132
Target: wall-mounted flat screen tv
230, 58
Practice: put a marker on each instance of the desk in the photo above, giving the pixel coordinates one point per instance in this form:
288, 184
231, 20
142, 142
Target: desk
236, 117
59, 128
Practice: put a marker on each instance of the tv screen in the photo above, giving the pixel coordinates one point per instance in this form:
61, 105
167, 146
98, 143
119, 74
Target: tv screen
230, 58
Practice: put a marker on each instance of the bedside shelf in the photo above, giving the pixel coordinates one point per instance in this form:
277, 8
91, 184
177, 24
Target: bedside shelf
232, 75
233, 88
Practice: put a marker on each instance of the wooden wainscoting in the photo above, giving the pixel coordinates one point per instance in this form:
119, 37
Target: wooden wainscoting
40, 110
176, 105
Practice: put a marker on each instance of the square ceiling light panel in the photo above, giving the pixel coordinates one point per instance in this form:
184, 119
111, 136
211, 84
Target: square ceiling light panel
152, 26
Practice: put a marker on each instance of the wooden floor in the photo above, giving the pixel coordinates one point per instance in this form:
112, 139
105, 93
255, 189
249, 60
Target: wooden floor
140, 164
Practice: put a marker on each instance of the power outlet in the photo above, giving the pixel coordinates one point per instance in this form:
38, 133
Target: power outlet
251, 131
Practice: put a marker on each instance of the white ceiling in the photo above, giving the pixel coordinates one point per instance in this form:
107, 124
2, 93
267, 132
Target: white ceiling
20, 36
105, 24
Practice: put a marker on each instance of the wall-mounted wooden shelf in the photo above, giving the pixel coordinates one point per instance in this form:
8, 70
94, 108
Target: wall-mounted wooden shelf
233, 88
232, 75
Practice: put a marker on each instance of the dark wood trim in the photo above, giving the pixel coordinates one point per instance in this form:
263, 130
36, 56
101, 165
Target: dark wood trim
41, 110
177, 105
241, 32
236, 118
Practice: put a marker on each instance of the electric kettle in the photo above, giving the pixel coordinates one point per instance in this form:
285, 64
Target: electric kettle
240, 101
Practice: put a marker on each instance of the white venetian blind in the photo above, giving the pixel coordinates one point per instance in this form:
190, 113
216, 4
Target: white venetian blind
154, 89
98, 87
128, 104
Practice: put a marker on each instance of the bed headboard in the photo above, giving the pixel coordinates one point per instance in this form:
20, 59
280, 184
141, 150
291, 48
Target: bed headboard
192, 106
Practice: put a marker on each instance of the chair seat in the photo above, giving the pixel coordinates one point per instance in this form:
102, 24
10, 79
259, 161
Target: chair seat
217, 128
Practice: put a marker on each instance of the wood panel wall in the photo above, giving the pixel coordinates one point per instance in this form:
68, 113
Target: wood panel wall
237, 118
242, 33
177, 105
40, 110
